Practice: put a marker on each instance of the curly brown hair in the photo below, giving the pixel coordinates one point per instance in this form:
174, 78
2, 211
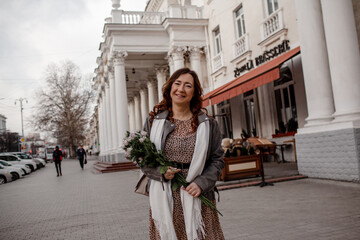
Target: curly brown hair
166, 103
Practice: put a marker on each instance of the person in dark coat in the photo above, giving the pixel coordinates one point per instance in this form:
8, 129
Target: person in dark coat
57, 157
81, 154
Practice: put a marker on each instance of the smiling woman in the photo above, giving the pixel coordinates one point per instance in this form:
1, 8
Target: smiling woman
190, 139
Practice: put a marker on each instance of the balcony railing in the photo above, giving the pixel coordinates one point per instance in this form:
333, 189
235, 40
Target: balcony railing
134, 17
241, 46
218, 62
272, 24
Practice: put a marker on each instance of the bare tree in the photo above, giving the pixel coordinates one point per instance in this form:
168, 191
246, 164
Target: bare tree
63, 105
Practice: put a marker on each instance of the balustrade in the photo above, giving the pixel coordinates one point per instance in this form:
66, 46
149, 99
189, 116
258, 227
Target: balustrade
218, 62
272, 24
240, 46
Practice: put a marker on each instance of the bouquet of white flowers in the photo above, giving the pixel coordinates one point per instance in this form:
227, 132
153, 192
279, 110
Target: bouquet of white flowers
139, 149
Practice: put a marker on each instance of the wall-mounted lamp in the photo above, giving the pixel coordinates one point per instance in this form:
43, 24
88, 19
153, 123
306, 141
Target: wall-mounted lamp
133, 71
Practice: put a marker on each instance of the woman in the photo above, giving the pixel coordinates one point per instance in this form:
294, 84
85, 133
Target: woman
191, 139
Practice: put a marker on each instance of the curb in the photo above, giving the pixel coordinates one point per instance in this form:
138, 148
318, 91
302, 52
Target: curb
253, 183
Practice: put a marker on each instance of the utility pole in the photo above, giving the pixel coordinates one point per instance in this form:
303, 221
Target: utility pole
21, 109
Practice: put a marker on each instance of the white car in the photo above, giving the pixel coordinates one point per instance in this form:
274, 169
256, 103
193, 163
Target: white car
16, 159
5, 176
16, 172
24, 156
23, 167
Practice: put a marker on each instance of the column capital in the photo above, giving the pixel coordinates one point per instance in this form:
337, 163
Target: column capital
110, 66
162, 69
118, 57
151, 82
177, 51
195, 52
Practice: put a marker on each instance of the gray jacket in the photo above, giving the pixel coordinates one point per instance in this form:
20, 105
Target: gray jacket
213, 165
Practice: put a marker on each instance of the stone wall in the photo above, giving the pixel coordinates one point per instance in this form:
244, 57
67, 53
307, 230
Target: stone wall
330, 155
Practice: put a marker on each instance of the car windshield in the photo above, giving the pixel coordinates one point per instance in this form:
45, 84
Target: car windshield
5, 163
24, 156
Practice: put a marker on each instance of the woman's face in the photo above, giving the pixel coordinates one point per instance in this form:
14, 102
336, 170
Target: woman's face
182, 90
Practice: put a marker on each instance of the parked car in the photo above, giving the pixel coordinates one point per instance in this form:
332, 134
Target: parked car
15, 159
16, 173
23, 167
5, 176
39, 162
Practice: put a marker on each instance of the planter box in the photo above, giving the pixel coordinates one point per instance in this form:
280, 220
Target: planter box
283, 134
241, 167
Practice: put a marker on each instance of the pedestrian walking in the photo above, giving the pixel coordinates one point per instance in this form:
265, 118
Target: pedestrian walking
57, 158
81, 154
192, 140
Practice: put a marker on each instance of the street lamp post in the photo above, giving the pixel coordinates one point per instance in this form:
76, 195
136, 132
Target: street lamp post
21, 109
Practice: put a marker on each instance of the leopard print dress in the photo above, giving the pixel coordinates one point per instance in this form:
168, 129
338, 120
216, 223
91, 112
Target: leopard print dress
179, 147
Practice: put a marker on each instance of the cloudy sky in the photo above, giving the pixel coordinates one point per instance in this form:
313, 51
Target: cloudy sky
35, 33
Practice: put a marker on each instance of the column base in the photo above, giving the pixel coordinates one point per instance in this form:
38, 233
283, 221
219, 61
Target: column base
346, 116
113, 157
330, 153
316, 121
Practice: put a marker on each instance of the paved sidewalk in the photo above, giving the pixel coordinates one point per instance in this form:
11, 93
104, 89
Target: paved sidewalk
83, 205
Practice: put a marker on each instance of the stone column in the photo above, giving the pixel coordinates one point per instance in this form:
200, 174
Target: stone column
105, 124
195, 61
171, 64
314, 57
100, 129
178, 57
121, 96
344, 57
161, 79
131, 115
113, 108
137, 113
153, 98
108, 119
144, 105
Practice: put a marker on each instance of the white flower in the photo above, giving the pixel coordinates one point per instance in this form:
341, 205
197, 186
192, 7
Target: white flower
140, 159
126, 154
141, 140
132, 135
143, 133
129, 150
125, 142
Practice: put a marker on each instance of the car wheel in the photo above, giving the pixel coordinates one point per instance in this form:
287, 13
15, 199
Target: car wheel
31, 167
15, 176
2, 180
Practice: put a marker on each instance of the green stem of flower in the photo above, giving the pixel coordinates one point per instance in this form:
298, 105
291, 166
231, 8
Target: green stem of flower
180, 179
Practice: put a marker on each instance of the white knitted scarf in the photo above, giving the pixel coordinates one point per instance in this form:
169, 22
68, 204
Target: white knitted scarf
161, 201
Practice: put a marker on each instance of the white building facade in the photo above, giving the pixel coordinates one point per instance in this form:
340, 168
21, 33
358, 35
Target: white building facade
277, 69
2, 123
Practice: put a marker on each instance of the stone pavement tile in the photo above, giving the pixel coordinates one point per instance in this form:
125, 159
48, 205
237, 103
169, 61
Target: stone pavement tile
82, 205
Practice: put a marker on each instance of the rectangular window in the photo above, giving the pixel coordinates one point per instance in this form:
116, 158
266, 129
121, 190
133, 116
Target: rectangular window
272, 6
285, 99
250, 113
217, 41
240, 22
223, 118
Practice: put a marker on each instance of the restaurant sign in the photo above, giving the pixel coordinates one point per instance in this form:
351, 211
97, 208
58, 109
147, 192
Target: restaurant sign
266, 56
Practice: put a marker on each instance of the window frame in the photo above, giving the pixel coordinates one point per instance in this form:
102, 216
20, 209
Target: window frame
217, 41
241, 19
273, 5
281, 87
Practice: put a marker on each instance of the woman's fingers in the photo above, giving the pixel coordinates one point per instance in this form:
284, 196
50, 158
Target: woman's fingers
193, 189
